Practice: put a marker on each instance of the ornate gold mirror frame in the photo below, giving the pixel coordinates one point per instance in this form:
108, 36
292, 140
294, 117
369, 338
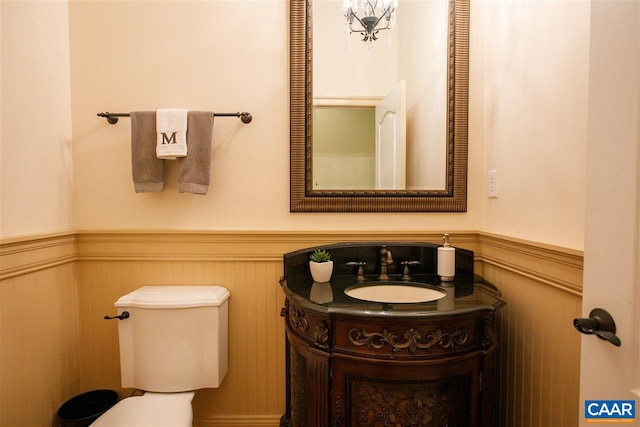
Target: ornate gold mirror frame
305, 199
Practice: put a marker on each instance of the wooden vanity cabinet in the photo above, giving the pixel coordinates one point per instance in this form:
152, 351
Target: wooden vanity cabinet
354, 370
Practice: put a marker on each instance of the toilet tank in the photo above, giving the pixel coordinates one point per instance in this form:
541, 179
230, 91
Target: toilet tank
175, 338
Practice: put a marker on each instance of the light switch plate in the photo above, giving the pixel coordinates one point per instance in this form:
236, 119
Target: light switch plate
492, 184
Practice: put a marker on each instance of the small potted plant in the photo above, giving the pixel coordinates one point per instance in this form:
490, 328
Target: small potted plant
321, 265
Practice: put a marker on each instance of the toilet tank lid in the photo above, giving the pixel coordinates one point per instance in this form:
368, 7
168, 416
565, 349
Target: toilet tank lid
174, 297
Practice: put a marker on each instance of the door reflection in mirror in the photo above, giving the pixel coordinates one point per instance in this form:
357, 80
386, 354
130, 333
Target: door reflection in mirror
361, 147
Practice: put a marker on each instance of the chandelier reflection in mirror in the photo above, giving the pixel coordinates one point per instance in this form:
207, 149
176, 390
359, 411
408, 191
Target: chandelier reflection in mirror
377, 15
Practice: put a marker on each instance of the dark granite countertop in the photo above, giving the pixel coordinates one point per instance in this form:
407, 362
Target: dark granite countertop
467, 293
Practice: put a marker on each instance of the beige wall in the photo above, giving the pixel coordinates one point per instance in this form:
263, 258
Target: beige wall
210, 60
36, 169
530, 61
527, 118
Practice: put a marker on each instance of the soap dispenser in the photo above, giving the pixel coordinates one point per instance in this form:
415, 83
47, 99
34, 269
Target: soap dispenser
446, 260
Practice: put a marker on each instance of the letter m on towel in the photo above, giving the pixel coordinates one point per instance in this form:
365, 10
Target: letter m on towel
169, 140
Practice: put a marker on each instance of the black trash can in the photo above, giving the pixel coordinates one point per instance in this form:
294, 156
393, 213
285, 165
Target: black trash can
82, 410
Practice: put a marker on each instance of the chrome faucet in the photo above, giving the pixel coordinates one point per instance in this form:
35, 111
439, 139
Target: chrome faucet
386, 259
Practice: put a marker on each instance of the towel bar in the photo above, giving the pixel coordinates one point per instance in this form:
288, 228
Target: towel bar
112, 118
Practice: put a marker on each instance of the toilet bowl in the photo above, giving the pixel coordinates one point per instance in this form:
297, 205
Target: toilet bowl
151, 410
173, 340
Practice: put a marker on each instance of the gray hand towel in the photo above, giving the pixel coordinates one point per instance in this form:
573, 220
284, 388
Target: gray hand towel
194, 170
147, 169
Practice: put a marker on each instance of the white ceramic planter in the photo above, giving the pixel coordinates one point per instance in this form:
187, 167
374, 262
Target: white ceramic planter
321, 271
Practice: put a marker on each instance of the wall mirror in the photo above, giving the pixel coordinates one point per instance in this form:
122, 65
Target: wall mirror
336, 81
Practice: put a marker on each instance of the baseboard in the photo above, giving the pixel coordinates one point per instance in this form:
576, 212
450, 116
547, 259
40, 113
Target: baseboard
238, 421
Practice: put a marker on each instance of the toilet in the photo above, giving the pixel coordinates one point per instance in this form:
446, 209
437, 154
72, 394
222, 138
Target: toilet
173, 342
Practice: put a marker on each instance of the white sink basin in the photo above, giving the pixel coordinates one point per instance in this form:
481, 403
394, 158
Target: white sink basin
389, 293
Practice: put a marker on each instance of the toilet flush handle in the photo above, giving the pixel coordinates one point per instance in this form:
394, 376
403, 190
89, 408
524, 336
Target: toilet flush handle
124, 315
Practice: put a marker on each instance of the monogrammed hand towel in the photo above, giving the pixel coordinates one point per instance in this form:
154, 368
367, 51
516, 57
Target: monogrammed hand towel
171, 128
147, 169
194, 170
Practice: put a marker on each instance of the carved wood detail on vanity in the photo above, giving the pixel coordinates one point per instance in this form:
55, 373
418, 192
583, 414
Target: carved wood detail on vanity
301, 322
408, 403
321, 335
488, 322
295, 316
411, 339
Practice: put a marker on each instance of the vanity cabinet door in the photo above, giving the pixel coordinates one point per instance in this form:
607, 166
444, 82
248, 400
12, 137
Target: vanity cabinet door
368, 393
